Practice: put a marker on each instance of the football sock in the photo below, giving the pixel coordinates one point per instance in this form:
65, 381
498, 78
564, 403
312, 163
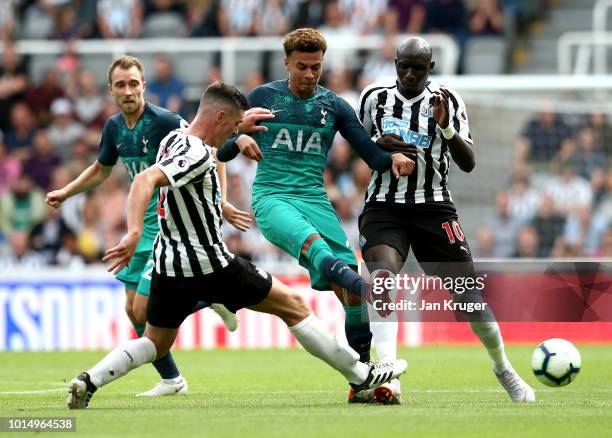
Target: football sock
315, 339
124, 358
491, 338
357, 330
384, 335
335, 270
166, 367
139, 328
384, 332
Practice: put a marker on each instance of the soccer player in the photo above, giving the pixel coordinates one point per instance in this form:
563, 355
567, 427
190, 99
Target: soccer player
417, 211
134, 135
189, 253
289, 200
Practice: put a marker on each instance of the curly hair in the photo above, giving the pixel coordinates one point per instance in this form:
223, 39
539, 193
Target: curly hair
304, 40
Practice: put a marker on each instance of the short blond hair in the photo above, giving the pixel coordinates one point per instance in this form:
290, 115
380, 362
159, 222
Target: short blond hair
125, 62
304, 40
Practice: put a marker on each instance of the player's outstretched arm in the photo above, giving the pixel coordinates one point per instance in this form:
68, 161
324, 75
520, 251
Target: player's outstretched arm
141, 191
90, 178
462, 153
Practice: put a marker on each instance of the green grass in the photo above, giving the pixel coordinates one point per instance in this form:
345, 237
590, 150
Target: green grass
448, 391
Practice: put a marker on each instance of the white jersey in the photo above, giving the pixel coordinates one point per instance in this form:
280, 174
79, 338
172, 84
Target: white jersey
189, 241
383, 110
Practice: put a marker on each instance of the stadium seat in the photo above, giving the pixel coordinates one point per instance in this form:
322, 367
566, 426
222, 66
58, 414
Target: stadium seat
162, 25
485, 55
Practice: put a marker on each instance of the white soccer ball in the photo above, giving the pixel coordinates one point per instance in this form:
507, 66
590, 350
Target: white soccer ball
556, 362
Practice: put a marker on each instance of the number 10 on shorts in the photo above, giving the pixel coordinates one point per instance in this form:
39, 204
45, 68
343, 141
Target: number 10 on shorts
453, 231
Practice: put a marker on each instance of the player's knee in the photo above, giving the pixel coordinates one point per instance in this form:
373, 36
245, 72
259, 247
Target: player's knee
307, 244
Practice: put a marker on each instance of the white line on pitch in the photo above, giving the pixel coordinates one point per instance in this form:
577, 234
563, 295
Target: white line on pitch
37, 391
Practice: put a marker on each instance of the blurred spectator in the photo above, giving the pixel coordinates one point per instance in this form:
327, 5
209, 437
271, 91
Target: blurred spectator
39, 99
21, 256
164, 18
527, 244
605, 249
586, 159
336, 26
7, 19
379, 65
66, 23
487, 18
90, 238
202, 18
365, 16
81, 156
602, 216
64, 130
43, 160
523, 198
310, 13
340, 83
47, 237
38, 19
21, 207
449, 17
166, 89
13, 82
72, 209
252, 80
570, 192
270, 19
410, 15
120, 18
86, 18
339, 165
549, 225
113, 197
88, 101
505, 226
68, 62
237, 17
19, 138
348, 219
485, 243
10, 168
361, 179
598, 121
543, 136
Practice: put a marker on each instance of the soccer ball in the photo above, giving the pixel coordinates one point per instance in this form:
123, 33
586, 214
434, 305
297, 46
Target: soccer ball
556, 362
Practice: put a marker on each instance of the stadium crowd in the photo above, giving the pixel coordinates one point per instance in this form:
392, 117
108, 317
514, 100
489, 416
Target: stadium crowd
50, 129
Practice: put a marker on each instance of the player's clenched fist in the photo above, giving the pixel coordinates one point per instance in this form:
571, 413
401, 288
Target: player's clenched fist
401, 165
55, 198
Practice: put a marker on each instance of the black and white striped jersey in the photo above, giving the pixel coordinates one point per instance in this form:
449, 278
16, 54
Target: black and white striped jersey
189, 241
383, 110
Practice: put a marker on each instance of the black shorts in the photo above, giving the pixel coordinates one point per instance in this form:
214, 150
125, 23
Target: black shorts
172, 299
431, 230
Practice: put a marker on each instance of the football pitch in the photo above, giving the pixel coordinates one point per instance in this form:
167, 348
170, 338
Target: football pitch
447, 391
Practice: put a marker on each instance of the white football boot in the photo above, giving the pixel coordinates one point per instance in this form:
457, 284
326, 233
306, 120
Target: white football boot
382, 372
517, 389
164, 389
230, 319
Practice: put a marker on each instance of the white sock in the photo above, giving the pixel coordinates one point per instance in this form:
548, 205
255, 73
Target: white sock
121, 360
315, 339
384, 336
491, 338
384, 330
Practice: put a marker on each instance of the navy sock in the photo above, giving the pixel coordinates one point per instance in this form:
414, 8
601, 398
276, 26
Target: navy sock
166, 367
335, 270
357, 329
